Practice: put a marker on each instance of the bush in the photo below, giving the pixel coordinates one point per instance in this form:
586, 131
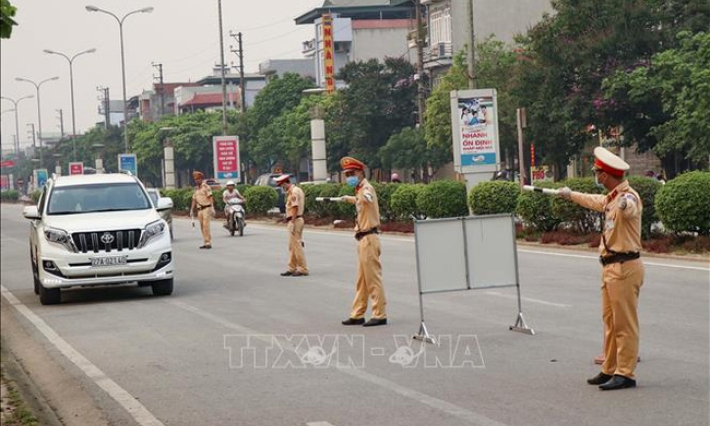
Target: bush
494, 197
403, 202
35, 196
647, 188
443, 198
384, 198
260, 199
10, 195
182, 198
310, 193
347, 210
683, 204
573, 215
535, 209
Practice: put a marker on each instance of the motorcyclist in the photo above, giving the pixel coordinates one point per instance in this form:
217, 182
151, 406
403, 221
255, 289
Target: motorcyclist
228, 194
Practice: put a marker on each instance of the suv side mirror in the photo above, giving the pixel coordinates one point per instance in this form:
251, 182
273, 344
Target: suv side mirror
164, 203
31, 212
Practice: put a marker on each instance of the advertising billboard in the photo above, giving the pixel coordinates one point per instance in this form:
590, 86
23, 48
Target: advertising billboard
128, 162
474, 121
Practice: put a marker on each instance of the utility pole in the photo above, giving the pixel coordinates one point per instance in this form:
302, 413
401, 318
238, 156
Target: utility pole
34, 137
162, 89
106, 106
420, 65
61, 122
240, 54
222, 70
471, 51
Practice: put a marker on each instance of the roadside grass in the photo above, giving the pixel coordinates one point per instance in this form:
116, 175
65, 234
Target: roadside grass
13, 411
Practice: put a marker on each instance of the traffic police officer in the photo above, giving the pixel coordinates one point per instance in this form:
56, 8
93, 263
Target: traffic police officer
622, 270
295, 204
369, 268
202, 202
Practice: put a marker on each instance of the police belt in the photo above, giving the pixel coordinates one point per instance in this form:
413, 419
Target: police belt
360, 235
618, 258
290, 218
201, 207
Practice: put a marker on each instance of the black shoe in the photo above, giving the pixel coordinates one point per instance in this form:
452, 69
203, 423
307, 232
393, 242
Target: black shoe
206, 246
599, 379
353, 321
300, 274
375, 321
618, 382
287, 274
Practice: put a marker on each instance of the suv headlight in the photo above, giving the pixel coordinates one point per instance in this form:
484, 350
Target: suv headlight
152, 230
61, 237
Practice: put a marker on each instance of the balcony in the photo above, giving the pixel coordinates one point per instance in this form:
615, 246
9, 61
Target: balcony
309, 47
440, 54
412, 38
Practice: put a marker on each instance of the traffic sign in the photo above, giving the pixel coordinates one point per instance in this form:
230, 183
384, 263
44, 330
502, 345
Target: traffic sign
76, 168
7, 163
128, 162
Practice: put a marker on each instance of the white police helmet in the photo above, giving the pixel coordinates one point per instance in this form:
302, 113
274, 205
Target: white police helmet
231, 182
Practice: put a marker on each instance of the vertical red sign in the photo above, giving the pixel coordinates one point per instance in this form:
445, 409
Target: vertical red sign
328, 52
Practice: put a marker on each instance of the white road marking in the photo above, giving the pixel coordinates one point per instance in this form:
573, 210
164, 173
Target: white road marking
528, 299
439, 404
645, 262
137, 410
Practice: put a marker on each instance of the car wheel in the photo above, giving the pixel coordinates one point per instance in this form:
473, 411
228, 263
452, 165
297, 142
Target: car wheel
163, 287
49, 296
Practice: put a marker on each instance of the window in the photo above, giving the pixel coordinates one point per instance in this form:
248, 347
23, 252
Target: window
440, 26
97, 198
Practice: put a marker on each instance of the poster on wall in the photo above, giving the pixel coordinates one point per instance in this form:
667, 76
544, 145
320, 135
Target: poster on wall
474, 120
226, 158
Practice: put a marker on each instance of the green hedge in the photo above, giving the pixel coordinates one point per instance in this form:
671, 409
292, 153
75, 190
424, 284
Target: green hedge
35, 196
573, 215
260, 199
403, 202
494, 197
535, 209
182, 198
346, 210
683, 204
384, 198
647, 188
9, 195
443, 198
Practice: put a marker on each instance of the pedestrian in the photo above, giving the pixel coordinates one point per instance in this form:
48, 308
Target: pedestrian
203, 203
369, 268
622, 269
295, 205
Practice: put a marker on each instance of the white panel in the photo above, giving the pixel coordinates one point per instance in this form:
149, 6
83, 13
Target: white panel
440, 255
491, 250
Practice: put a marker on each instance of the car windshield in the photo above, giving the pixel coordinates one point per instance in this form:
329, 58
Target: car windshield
106, 197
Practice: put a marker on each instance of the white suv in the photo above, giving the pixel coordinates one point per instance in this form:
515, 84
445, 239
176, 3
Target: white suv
100, 229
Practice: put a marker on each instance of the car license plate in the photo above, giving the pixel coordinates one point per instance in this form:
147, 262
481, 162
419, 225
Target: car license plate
109, 261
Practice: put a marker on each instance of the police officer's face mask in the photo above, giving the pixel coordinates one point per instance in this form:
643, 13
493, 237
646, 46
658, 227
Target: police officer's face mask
352, 180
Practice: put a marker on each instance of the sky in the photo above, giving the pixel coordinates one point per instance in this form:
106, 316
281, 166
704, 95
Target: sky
183, 35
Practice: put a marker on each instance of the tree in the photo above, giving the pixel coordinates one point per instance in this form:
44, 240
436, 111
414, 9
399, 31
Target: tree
7, 12
278, 97
379, 100
408, 150
679, 80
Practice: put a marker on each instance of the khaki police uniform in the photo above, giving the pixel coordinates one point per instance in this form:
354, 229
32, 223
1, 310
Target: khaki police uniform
621, 279
205, 211
369, 267
295, 204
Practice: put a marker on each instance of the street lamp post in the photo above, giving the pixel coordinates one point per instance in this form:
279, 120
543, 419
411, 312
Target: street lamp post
71, 88
123, 61
39, 111
17, 120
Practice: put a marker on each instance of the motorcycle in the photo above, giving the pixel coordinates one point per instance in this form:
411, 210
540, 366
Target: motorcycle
235, 216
